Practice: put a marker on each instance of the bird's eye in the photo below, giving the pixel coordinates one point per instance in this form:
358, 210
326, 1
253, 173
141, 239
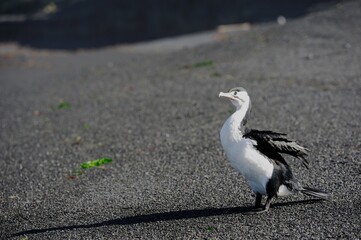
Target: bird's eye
235, 93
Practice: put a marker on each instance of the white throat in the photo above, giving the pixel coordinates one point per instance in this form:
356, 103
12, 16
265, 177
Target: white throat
231, 130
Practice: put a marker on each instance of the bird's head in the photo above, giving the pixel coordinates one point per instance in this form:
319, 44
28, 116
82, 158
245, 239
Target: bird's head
238, 96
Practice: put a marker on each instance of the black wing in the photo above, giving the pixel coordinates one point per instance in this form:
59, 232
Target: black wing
272, 144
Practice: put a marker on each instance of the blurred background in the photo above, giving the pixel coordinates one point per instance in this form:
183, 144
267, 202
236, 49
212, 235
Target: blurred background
81, 24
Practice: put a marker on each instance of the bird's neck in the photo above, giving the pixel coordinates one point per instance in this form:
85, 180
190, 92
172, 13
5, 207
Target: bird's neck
235, 123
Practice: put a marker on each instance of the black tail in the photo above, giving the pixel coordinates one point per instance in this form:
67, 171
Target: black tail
316, 193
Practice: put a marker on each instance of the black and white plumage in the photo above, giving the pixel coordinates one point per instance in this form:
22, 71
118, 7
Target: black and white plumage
257, 154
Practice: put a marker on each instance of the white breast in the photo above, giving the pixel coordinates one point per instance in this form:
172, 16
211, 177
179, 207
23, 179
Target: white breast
254, 166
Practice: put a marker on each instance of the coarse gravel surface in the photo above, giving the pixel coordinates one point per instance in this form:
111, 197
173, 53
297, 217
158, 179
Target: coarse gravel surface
157, 115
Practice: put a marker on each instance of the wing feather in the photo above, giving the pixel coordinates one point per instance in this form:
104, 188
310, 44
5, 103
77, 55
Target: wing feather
272, 144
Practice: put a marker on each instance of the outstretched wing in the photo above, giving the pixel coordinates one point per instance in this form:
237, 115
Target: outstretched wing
272, 143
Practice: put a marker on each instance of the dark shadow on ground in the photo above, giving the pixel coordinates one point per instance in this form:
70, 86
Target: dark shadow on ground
164, 216
94, 23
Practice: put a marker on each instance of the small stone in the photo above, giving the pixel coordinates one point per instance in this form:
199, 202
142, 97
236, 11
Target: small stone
347, 46
309, 56
36, 113
76, 140
281, 20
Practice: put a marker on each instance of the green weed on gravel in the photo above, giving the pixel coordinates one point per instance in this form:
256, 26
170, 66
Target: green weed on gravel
89, 164
63, 105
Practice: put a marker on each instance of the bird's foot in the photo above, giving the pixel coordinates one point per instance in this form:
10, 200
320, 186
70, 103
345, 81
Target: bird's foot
256, 210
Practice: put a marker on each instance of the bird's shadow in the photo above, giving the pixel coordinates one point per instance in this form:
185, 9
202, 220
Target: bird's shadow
163, 216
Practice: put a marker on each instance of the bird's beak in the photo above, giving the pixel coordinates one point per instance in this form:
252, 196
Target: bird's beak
226, 95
